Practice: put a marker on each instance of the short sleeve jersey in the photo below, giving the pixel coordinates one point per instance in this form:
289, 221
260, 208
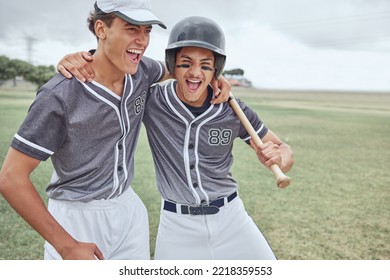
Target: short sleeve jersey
89, 132
193, 154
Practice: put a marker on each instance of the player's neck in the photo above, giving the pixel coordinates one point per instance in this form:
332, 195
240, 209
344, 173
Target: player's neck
198, 110
107, 75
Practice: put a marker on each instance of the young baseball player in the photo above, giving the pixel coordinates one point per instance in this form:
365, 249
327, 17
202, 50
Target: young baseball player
191, 141
89, 130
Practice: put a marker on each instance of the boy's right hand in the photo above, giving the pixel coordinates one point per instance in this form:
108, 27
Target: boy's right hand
77, 64
82, 251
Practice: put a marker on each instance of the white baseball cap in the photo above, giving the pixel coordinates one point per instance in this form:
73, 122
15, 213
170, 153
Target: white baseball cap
138, 12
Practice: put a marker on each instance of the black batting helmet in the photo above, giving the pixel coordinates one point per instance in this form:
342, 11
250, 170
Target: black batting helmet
200, 32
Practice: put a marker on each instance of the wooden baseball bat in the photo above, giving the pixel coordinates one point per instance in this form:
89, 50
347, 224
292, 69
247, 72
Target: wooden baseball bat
282, 180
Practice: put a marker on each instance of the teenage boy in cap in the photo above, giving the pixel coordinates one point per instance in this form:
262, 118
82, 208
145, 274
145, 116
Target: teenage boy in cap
89, 130
191, 141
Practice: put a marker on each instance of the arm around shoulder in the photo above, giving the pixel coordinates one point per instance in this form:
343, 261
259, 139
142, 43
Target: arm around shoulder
77, 64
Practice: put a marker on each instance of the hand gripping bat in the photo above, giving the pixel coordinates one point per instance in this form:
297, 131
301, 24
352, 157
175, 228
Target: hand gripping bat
282, 180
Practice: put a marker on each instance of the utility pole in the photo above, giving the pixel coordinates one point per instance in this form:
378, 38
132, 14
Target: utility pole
30, 40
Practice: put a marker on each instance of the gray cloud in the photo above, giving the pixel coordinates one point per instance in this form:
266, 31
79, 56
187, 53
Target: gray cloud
337, 23
271, 39
346, 24
45, 19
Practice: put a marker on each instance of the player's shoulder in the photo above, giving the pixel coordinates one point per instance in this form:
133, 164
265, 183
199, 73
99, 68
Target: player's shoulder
147, 60
242, 104
147, 63
157, 90
59, 83
60, 86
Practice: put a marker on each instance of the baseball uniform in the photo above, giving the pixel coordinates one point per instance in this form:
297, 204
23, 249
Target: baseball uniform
90, 134
202, 216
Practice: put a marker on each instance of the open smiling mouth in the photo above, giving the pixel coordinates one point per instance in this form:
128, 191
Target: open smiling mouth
135, 55
193, 85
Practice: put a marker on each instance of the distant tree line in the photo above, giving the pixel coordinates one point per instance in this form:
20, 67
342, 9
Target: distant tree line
236, 77
233, 72
12, 68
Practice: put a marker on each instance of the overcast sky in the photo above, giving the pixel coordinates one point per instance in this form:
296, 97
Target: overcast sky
285, 44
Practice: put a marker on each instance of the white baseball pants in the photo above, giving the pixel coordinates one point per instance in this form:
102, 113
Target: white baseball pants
118, 226
229, 234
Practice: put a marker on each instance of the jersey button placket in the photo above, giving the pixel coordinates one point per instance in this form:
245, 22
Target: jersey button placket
120, 167
192, 160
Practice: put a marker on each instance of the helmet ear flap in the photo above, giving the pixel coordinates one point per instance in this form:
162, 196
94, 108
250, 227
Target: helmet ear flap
219, 65
170, 60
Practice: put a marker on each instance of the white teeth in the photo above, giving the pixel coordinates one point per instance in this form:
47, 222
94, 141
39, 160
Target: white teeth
134, 51
192, 81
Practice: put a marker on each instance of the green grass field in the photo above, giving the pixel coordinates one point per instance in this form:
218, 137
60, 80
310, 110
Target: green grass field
337, 206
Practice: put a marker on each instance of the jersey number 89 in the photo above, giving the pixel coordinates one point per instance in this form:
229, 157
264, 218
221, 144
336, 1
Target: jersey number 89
219, 137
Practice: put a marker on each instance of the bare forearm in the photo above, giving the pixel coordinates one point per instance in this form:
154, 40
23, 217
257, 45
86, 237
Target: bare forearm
21, 194
287, 155
29, 205
23, 197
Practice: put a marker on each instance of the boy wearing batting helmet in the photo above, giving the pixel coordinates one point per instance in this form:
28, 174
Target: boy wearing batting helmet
191, 140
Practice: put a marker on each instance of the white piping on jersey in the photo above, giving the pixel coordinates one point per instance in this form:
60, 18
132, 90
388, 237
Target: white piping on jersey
123, 140
257, 132
197, 144
186, 141
122, 126
181, 103
109, 91
108, 102
115, 179
31, 144
161, 71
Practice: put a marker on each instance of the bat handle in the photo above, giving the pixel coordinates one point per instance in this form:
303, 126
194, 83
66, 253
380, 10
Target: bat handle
282, 180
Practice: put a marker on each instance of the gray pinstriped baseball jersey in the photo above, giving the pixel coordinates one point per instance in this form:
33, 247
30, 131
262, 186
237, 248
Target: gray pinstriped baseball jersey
89, 132
193, 154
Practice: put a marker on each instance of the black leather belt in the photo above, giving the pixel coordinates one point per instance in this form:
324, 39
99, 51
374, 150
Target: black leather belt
209, 209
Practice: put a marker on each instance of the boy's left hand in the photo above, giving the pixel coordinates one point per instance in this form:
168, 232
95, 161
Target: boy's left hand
221, 89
